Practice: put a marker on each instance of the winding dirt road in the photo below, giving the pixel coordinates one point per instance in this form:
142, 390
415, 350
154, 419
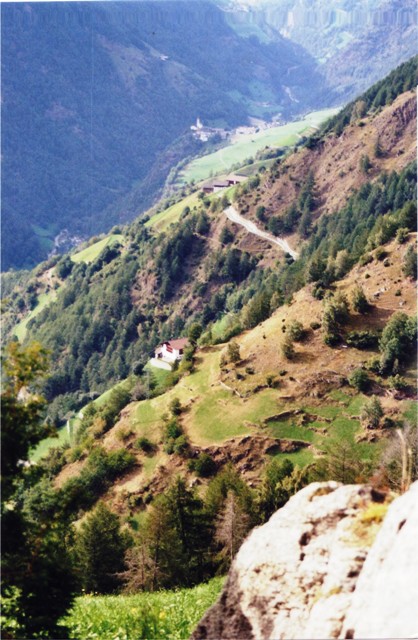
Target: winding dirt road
236, 217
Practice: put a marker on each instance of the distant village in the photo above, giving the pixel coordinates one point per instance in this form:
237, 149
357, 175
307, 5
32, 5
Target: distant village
204, 133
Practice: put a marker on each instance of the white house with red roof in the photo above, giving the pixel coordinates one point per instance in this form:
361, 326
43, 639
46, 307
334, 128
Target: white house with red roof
171, 350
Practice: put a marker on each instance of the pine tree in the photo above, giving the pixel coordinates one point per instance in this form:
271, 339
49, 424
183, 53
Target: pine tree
100, 549
178, 534
141, 572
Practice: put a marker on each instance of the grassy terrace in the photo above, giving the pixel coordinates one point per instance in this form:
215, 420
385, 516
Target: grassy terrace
43, 447
213, 413
161, 221
93, 251
247, 145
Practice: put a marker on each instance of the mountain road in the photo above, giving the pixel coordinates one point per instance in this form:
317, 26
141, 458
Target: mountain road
233, 215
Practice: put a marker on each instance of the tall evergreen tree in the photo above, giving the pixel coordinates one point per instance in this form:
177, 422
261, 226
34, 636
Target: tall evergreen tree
100, 550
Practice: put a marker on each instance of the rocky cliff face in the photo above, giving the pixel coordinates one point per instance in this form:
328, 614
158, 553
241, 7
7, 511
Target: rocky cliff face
338, 561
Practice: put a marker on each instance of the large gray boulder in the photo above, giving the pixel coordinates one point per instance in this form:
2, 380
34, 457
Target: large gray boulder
316, 571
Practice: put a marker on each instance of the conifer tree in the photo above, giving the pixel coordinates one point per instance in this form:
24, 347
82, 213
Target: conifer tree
38, 583
100, 550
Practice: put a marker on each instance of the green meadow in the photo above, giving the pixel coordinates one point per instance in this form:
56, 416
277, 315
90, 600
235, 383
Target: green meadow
93, 251
247, 145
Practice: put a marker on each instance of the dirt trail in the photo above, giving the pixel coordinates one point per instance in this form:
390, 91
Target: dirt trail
236, 217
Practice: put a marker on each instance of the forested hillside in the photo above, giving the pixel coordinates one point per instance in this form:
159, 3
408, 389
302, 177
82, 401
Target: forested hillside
98, 100
297, 370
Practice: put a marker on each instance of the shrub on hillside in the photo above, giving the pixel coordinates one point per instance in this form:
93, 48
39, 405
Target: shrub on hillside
233, 351
144, 444
363, 339
172, 429
372, 412
203, 465
409, 266
175, 407
360, 380
398, 383
402, 235
287, 348
358, 300
296, 331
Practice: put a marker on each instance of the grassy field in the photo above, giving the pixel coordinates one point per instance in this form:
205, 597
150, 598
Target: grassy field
43, 447
162, 615
247, 145
252, 169
161, 221
90, 253
43, 300
160, 377
212, 413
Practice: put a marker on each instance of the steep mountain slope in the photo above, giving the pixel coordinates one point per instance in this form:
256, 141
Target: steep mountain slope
98, 99
153, 286
297, 370
337, 170
389, 39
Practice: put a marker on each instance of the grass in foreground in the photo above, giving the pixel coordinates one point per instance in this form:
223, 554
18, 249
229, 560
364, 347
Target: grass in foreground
165, 614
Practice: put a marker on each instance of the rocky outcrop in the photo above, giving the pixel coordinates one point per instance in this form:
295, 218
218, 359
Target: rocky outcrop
385, 602
317, 570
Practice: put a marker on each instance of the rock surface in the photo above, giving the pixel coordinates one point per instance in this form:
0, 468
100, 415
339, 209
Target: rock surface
316, 571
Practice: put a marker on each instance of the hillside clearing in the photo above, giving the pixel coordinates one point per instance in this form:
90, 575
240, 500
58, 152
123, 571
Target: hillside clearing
161, 221
44, 299
93, 251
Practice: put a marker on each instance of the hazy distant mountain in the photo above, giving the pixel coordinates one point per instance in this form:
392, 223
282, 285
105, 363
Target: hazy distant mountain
359, 41
384, 43
98, 97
